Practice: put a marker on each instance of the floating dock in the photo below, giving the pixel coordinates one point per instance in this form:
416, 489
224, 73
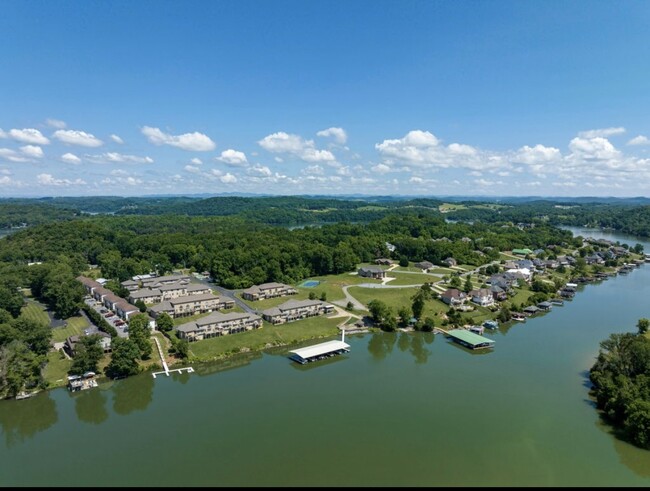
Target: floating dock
320, 351
470, 339
166, 370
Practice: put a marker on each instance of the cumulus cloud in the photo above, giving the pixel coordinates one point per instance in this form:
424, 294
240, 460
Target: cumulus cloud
604, 132
194, 142
122, 181
117, 139
76, 137
596, 148
381, 168
49, 180
32, 151
27, 135
115, 157
639, 140
55, 123
196, 161
12, 155
338, 134
70, 158
259, 171
228, 178
313, 170
306, 150
233, 157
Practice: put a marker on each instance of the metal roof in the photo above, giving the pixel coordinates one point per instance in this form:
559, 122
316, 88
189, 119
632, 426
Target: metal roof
469, 337
320, 349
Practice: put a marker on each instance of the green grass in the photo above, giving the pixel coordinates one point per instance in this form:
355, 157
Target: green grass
266, 336
35, 311
442, 270
521, 297
75, 326
56, 370
447, 207
411, 279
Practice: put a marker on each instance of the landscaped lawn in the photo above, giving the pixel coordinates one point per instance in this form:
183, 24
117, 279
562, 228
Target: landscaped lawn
56, 370
74, 327
411, 279
268, 335
35, 311
332, 285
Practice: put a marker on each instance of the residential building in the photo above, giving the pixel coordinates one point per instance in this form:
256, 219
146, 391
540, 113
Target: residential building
218, 324
191, 304
424, 265
147, 295
158, 281
453, 297
450, 261
71, 342
296, 309
372, 272
383, 261
482, 297
268, 290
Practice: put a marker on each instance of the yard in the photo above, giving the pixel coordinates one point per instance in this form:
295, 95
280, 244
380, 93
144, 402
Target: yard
56, 370
74, 327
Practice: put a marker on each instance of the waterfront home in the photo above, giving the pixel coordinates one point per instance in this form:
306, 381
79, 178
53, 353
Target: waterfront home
191, 304
482, 297
426, 265
372, 272
218, 324
268, 290
82, 382
70, 343
296, 309
453, 297
147, 295
498, 293
531, 310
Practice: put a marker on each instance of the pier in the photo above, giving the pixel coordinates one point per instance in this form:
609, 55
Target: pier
166, 370
468, 339
320, 351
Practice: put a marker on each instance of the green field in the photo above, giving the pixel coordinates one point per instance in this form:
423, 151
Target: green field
75, 326
411, 279
268, 335
56, 370
35, 311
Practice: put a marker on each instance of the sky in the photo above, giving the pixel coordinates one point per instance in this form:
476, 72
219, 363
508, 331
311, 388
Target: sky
290, 97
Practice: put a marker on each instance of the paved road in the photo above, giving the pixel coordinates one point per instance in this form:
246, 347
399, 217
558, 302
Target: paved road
231, 294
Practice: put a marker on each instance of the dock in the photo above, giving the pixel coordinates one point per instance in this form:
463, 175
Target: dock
166, 370
469, 339
320, 351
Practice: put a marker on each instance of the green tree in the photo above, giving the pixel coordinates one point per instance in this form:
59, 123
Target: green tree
418, 305
124, 358
323, 296
87, 354
404, 261
642, 325
141, 305
429, 324
164, 322
140, 333
468, 286
312, 295
454, 282
404, 314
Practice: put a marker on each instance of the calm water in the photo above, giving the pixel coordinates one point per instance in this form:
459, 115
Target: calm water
399, 409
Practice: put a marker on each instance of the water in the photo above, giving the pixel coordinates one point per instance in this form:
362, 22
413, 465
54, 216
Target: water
400, 409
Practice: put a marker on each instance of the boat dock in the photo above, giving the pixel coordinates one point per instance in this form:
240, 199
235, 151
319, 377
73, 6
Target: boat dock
320, 351
469, 339
166, 370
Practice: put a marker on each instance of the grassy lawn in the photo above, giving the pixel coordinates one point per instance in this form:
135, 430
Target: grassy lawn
447, 207
392, 297
35, 311
441, 270
409, 268
75, 326
268, 335
56, 370
411, 279
521, 296
332, 285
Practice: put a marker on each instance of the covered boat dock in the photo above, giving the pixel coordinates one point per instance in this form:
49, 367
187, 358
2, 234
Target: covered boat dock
470, 339
319, 351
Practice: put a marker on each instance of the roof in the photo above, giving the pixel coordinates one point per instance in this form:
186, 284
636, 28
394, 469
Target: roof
372, 269
193, 298
320, 349
268, 286
452, 293
194, 287
469, 337
172, 286
162, 307
145, 292
215, 317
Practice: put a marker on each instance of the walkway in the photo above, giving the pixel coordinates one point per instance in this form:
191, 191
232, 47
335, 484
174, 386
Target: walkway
167, 371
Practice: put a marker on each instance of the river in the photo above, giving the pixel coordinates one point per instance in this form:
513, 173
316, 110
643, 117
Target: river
405, 409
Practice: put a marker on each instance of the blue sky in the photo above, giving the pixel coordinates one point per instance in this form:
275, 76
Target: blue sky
501, 98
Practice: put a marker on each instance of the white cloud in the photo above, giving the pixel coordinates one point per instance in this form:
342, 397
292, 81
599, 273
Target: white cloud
55, 123
6, 180
192, 169
538, 154
313, 170
639, 140
282, 142
597, 148
196, 161
12, 155
279, 160
115, 157
194, 142
70, 158
32, 151
49, 180
603, 133
28, 135
260, 171
117, 139
228, 178
381, 168
339, 134
76, 137
233, 157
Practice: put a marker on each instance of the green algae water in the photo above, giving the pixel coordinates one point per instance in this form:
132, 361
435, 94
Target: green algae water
410, 409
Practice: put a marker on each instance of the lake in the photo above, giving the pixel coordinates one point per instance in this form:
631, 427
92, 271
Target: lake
404, 409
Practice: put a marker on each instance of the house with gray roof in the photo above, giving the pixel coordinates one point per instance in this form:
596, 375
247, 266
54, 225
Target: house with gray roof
372, 272
147, 295
294, 310
218, 324
268, 290
191, 304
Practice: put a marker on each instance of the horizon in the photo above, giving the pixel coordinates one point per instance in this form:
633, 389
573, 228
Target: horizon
288, 98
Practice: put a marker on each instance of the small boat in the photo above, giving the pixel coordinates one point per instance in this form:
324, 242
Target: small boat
518, 317
24, 395
491, 324
477, 329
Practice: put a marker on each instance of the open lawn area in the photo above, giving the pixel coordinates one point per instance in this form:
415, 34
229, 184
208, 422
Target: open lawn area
332, 285
396, 298
56, 370
268, 335
411, 279
521, 296
74, 327
35, 311
447, 207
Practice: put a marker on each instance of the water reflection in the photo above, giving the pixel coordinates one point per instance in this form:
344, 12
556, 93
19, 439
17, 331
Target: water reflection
133, 393
419, 349
90, 406
23, 419
316, 364
236, 361
381, 344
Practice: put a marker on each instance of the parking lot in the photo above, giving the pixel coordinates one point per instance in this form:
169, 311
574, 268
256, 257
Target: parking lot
113, 319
